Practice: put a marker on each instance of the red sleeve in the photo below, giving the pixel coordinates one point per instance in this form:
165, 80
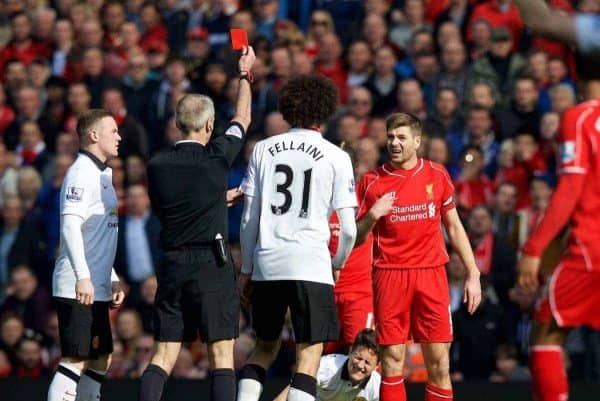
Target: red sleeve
448, 202
365, 201
573, 149
558, 212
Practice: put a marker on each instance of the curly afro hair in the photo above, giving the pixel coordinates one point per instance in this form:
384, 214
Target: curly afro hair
307, 101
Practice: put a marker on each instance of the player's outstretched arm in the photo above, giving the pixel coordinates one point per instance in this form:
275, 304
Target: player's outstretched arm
243, 114
546, 21
460, 243
72, 237
380, 208
347, 236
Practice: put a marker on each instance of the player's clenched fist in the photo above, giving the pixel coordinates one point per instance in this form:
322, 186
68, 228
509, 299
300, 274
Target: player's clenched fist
84, 291
528, 270
382, 206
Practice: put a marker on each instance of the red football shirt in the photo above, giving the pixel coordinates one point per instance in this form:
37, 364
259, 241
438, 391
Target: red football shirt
410, 236
356, 274
579, 140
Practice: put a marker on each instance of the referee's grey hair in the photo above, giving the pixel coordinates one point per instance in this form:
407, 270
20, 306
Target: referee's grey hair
193, 112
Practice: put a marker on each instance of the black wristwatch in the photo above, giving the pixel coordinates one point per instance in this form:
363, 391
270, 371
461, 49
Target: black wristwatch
247, 75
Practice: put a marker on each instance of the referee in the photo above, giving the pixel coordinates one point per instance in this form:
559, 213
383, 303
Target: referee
84, 284
196, 282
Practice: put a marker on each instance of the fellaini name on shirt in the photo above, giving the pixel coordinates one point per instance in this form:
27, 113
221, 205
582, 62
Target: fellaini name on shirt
284, 146
423, 211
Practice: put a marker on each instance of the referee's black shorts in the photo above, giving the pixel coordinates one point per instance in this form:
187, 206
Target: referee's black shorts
195, 295
84, 329
312, 307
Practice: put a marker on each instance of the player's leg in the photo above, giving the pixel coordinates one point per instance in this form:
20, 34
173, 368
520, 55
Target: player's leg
392, 373
314, 317
269, 306
156, 374
432, 327
392, 299
437, 363
75, 328
90, 385
548, 374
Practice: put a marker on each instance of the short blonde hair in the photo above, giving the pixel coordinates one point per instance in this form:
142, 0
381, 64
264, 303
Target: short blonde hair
192, 112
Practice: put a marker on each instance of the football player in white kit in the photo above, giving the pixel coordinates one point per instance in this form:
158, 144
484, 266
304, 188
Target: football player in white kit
294, 182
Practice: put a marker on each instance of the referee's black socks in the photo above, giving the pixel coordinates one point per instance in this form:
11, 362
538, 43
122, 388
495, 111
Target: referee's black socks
152, 383
222, 385
302, 388
252, 379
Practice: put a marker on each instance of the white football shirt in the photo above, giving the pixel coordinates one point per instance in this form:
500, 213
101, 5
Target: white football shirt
333, 383
298, 178
87, 192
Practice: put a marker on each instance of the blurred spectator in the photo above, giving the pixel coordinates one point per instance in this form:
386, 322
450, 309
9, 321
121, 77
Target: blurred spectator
507, 366
500, 13
500, 66
120, 364
8, 175
383, 81
540, 191
138, 250
145, 304
133, 135
135, 170
347, 130
11, 331
377, 131
27, 298
22, 47
29, 183
113, 18
29, 357
128, 329
55, 108
20, 242
79, 100
562, 96
367, 154
31, 149
445, 117
44, 19
414, 18
51, 341
7, 115
473, 187
329, 62
528, 162
520, 320
302, 64
454, 71
275, 124
186, 369
197, 53
266, 17
142, 355
320, 24
548, 141
49, 204
116, 58
437, 151
421, 42
94, 75
481, 36
360, 105
482, 94
411, 99
176, 21
506, 220
67, 144
522, 115
118, 173
90, 33
458, 12
138, 85
360, 58
375, 32
456, 281
476, 338
154, 30
494, 256
426, 70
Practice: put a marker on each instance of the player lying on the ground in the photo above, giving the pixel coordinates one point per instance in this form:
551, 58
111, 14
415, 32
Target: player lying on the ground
349, 377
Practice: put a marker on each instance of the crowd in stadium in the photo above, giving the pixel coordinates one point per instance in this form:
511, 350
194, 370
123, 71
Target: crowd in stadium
489, 92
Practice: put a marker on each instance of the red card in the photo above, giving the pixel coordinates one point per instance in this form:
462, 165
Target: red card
239, 39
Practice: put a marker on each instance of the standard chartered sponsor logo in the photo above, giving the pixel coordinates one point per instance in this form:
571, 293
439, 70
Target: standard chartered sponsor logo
423, 211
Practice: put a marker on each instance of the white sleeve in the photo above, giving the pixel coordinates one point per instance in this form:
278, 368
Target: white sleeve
347, 220
250, 182
249, 231
587, 32
73, 239
344, 194
76, 196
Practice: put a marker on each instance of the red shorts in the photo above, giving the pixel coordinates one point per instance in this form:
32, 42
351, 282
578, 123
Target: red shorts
571, 297
355, 312
412, 304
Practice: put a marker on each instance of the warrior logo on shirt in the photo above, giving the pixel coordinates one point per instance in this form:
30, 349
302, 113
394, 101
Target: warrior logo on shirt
74, 194
429, 191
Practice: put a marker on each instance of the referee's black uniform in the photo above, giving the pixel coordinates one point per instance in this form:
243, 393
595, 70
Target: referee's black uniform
196, 292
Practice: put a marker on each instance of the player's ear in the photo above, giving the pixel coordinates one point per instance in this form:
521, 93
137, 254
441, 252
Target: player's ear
210, 124
94, 135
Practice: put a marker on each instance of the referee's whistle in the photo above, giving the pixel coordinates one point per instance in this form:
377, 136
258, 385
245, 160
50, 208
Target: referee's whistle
221, 249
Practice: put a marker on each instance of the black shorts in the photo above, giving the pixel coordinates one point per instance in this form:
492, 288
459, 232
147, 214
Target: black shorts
84, 329
312, 306
195, 295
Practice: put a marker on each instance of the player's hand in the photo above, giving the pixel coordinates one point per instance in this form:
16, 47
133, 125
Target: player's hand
244, 289
246, 59
118, 295
234, 196
472, 292
84, 291
528, 269
382, 206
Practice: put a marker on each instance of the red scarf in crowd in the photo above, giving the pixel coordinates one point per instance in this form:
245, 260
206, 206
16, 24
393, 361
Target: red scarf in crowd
483, 253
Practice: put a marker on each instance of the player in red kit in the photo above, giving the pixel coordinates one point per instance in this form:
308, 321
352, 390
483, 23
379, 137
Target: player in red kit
353, 290
572, 293
404, 203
